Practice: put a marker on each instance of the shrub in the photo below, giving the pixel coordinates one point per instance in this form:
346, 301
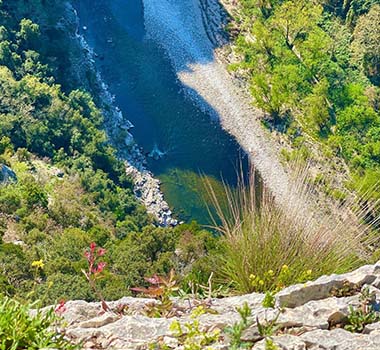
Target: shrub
268, 245
191, 336
20, 329
64, 286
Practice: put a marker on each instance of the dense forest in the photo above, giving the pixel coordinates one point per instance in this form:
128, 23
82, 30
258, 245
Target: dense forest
314, 67
63, 185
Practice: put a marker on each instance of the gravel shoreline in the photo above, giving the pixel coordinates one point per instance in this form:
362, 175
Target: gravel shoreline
179, 27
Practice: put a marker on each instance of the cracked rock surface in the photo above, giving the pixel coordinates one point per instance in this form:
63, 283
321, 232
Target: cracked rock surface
308, 317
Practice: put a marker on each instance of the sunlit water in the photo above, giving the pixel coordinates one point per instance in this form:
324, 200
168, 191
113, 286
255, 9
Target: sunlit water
140, 76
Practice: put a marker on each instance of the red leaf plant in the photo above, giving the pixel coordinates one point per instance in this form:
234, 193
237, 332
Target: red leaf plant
161, 288
95, 268
60, 308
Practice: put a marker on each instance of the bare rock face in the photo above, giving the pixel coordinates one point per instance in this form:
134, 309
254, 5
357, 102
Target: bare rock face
308, 317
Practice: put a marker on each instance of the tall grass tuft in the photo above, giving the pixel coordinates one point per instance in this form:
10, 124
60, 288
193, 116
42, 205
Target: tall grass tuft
267, 246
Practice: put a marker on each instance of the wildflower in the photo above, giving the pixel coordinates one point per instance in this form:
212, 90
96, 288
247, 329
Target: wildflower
60, 308
270, 273
252, 276
261, 282
309, 272
101, 251
94, 269
199, 311
92, 247
155, 279
99, 268
285, 267
38, 264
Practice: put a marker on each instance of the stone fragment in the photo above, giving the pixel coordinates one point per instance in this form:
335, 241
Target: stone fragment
321, 288
251, 334
283, 342
373, 327
171, 342
99, 321
340, 339
79, 310
318, 314
223, 305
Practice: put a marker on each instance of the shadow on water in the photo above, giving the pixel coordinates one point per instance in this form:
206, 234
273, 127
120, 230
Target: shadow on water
146, 89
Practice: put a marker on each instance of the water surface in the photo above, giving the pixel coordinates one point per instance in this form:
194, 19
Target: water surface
140, 76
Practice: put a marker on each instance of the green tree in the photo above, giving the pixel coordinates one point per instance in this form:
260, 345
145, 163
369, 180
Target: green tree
365, 46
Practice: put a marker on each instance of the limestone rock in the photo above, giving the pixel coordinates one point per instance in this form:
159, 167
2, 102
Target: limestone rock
373, 327
318, 314
253, 300
285, 342
300, 294
99, 321
340, 339
251, 334
307, 325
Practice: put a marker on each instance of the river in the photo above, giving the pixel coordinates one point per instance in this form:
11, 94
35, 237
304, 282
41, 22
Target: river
147, 90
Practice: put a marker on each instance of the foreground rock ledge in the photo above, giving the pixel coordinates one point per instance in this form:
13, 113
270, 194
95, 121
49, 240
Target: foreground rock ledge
310, 318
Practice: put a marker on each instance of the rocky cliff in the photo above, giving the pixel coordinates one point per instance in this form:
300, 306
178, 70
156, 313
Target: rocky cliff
337, 312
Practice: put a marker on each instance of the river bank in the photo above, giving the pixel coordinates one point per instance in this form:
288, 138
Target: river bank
118, 128
181, 143
179, 27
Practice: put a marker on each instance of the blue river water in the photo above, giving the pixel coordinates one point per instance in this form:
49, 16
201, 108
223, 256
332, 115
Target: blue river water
147, 91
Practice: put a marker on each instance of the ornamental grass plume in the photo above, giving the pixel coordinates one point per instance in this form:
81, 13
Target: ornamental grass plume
267, 246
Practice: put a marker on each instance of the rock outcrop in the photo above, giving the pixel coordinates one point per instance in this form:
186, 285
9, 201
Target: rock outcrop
7, 175
308, 316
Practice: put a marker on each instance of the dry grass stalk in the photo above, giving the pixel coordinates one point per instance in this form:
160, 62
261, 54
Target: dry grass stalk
260, 236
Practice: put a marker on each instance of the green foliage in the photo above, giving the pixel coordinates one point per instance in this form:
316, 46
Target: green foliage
268, 328
364, 314
358, 319
296, 247
190, 334
235, 331
365, 46
316, 64
271, 281
269, 300
270, 345
71, 187
19, 329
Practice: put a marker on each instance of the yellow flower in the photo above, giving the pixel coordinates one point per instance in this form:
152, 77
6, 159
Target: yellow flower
309, 272
285, 267
252, 277
261, 282
39, 264
270, 273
